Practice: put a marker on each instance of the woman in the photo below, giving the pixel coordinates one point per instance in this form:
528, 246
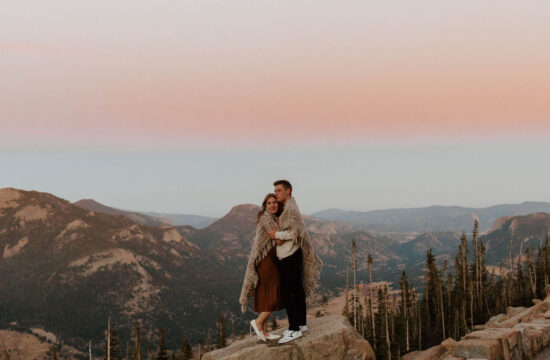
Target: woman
261, 279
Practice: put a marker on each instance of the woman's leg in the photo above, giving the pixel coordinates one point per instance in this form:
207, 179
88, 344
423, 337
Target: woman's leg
262, 319
265, 325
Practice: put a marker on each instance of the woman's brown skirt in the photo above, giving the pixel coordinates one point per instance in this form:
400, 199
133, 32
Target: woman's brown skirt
268, 290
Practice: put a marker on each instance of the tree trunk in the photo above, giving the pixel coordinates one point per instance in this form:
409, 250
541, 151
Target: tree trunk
387, 329
471, 307
372, 300
442, 310
109, 339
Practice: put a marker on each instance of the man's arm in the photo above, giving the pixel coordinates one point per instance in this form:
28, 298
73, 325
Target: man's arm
282, 235
286, 235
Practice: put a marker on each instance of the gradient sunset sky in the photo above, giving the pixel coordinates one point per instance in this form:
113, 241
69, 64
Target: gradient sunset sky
196, 106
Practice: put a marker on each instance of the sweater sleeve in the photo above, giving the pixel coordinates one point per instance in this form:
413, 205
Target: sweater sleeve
286, 235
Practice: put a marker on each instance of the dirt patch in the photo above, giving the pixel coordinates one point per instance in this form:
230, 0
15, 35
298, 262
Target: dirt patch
143, 292
24, 346
15, 249
171, 234
72, 226
31, 213
9, 197
45, 334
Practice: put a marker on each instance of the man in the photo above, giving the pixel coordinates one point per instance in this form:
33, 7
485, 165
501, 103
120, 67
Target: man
299, 266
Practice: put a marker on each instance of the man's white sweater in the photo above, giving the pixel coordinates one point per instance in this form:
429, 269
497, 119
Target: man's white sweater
289, 246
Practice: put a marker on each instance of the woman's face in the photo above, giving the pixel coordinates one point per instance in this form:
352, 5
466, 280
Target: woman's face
272, 205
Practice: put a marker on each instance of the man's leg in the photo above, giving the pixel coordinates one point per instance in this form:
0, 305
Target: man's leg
299, 291
288, 276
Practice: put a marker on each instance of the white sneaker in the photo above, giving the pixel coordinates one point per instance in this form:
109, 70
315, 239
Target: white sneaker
286, 332
289, 337
303, 328
258, 333
273, 337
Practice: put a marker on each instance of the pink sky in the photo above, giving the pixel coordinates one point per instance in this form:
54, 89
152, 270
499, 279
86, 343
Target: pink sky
234, 72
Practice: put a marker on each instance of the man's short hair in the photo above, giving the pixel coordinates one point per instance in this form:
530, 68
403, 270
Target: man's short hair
286, 184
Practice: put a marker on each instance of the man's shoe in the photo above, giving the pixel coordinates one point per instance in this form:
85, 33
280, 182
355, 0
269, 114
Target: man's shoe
258, 333
286, 332
303, 328
290, 337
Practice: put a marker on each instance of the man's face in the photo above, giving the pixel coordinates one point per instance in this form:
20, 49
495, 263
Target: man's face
281, 193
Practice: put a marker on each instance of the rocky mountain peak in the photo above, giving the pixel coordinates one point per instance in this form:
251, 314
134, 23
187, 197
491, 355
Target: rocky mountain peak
239, 215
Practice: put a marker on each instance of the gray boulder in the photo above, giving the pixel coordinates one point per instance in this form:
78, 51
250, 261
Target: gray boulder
329, 337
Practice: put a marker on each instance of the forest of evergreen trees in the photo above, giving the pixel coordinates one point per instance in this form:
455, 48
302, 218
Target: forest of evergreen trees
134, 350
449, 305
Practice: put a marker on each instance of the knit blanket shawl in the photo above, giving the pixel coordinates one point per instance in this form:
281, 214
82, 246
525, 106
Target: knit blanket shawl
291, 220
261, 246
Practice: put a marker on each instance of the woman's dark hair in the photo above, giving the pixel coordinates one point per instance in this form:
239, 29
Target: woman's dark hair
264, 204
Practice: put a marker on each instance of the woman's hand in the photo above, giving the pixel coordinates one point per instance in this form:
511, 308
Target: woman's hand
271, 234
279, 242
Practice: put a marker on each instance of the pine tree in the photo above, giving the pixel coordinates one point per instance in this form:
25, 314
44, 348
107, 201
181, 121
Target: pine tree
369, 262
461, 285
546, 260
199, 343
114, 349
531, 272
185, 351
162, 354
53, 355
476, 270
208, 339
345, 311
405, 303
137, 355
432, 301
388, 344
484, 311
380, 340
354, 265
222, 340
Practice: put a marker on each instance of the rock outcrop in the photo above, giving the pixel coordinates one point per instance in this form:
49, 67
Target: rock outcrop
329, 337
521, 333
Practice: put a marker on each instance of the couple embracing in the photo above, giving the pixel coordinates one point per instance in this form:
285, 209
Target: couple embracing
283, 268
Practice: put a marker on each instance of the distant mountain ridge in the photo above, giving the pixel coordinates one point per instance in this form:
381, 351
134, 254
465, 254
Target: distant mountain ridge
521, 232
149, 217
141, 219
197, 221
432, 218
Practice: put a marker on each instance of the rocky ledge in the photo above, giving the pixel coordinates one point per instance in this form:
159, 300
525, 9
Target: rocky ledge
521, 333
329, 337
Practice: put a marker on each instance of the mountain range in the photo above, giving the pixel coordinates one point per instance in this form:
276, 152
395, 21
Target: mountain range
432, 218
149, 218
67, 267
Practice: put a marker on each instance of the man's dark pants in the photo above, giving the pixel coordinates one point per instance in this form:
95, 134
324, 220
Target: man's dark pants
292, 291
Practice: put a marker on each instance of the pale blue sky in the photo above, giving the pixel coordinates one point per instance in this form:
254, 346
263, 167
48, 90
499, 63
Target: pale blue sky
165, 105
211, 181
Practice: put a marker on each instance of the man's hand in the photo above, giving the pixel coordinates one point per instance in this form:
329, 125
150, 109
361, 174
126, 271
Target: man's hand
279, 242
272, 234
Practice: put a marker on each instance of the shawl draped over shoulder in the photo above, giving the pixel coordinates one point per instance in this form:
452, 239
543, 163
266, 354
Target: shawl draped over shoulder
291, 220
261, 246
